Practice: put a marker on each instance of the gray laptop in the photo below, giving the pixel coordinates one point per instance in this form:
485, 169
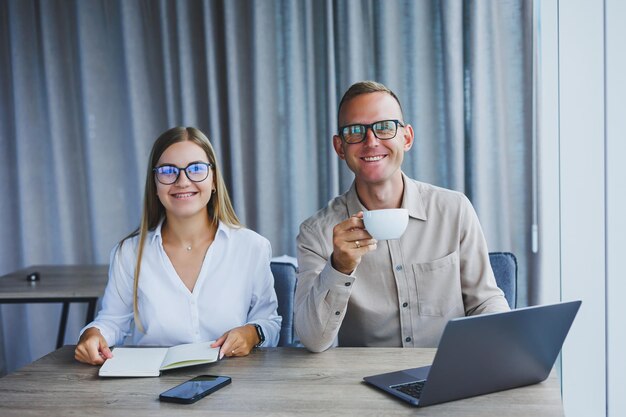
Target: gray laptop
486, 353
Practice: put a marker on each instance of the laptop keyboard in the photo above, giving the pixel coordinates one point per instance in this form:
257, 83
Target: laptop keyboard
413, 389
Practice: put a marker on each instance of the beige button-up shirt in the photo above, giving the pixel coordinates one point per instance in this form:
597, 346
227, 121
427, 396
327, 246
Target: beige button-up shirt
404, 292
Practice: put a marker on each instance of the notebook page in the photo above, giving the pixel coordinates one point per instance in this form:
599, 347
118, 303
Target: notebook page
190, 354
134, 362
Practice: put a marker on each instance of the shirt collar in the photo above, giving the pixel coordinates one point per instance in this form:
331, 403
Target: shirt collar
156, 236
412, 200
222, 228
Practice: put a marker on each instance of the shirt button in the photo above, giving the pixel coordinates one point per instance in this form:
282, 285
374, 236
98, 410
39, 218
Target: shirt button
405, 304
348, 284
399, 268
337, 313
408, 339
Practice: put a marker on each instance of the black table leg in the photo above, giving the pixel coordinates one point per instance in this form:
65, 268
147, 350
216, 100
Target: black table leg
64, 313
91, 311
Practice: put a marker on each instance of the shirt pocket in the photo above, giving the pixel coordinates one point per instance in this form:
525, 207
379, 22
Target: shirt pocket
439, 287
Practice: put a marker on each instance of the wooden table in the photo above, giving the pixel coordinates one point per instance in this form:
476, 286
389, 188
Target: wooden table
270, 381
57, 284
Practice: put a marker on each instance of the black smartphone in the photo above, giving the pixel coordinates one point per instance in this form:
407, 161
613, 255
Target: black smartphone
191, 391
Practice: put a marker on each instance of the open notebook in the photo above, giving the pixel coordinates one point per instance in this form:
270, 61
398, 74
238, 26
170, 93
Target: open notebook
150, 361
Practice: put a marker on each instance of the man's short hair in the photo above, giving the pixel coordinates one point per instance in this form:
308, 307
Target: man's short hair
365, 87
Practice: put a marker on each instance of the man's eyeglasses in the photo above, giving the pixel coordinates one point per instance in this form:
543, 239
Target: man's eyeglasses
384, 129
195, 171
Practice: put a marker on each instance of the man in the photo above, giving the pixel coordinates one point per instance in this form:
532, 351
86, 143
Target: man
355, 291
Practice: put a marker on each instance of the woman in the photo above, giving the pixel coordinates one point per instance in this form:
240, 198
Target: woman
190, 272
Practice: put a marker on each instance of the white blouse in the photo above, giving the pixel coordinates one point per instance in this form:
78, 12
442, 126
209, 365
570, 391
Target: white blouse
235, 287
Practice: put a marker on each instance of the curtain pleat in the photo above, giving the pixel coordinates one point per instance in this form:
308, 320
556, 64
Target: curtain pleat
87, 86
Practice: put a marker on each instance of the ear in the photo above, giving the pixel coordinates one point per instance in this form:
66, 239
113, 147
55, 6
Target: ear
338, 145
408, 137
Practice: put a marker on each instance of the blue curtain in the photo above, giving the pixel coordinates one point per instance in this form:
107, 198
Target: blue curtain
86, 87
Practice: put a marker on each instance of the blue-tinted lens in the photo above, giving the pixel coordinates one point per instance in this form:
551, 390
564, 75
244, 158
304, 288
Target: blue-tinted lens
167, 170
197, 171
167, 174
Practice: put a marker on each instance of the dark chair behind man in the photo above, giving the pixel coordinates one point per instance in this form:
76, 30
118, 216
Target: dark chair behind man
504, 265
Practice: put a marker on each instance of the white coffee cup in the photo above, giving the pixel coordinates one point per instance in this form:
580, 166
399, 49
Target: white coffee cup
386, 224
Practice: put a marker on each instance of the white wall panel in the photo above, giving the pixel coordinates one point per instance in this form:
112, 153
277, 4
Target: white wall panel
582, 194
616, 204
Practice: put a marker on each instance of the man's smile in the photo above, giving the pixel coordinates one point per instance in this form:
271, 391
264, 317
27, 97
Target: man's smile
373, 158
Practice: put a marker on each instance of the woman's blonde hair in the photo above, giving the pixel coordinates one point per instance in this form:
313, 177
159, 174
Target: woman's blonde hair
219, 208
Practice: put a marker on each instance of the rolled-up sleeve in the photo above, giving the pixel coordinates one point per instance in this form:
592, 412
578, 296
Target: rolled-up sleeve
322, 293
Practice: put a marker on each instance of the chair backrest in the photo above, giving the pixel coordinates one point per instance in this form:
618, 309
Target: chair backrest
285, 287
504, 265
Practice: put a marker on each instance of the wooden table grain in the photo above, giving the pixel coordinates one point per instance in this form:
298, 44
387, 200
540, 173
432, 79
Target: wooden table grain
57, 284
270, 381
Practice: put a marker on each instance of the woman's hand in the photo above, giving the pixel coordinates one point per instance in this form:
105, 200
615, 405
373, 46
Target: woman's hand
92, 347
238, 341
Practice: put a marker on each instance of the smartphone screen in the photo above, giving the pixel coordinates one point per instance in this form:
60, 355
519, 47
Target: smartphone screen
191, 391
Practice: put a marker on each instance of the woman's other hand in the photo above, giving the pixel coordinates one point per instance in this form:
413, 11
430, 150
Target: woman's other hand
238, 341
92, 348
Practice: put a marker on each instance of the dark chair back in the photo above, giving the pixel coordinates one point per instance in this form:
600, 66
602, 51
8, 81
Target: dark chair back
504, 265
285, 287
